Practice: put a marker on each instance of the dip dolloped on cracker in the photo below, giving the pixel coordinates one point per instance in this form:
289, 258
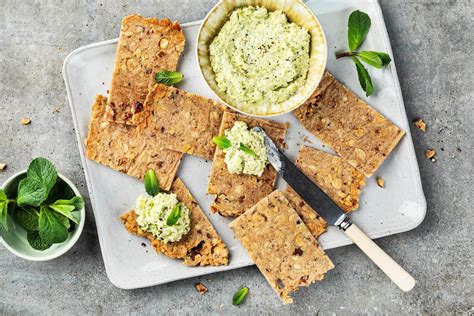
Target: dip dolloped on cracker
357, 132
121, 148
183, 121
201, 246
281, 245
237, 192
146, 46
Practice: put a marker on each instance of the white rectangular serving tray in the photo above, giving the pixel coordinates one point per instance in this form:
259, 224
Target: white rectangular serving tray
399, 207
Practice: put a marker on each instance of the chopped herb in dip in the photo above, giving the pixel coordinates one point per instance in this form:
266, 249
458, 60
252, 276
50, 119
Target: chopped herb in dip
158, 216
260, 59
244, 150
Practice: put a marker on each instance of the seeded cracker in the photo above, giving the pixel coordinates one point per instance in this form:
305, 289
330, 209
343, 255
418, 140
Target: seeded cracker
281, 245
237, 192
183, 121
121, 148
200, 247
146, 46
356, 131
339, 180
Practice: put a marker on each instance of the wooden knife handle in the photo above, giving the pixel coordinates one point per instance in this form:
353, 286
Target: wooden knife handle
392, 269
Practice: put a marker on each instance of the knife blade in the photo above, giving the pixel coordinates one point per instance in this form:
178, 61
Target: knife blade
333, 214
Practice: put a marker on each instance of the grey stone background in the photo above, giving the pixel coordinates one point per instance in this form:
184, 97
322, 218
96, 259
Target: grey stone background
432, 42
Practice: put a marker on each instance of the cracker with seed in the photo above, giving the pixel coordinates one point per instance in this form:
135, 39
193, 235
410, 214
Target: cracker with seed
281, 245
122, 148
146, 46
200, 247
183, 121
237, 192
356, 131
339, 180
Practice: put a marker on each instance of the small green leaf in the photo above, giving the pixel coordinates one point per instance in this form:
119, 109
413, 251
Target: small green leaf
27, 217
247, 150
358, 25
31, 191
240, 295
51, 230
151, 182
174, 215
168, 78
63, 220
364, 77
65, 207
370, 58
36, 242
4, 215
3, 196
43, 170
222, 142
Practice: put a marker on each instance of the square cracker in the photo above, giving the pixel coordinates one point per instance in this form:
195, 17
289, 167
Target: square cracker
121, 148
183, 121
146, 46
237, 192
356, 131
200, 247
332, 174
281, 245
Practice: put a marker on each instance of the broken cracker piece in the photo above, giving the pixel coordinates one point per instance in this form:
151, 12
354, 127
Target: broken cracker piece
430, 153
281, 245
200, 288
25, 121
380, 182
3, 166
420, 124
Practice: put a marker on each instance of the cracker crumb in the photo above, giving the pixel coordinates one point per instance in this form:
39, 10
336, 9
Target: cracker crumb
381, 182
430, 153
25, 121
56, 110
307, 140
2, 166
200, 288
420, 124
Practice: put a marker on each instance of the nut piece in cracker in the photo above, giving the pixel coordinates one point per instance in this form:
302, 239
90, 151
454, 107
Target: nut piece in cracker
146, 46
183, 121
420, 124
380, 182
281, 245
200, 288
122, 148
235, 193
25, 121
201, 246
357, 132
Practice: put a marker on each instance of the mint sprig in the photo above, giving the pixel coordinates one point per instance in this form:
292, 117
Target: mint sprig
358, 27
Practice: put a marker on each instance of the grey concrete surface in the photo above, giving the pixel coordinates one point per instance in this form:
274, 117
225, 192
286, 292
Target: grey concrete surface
432, 42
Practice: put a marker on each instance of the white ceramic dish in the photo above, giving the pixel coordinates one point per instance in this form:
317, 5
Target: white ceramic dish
399, 207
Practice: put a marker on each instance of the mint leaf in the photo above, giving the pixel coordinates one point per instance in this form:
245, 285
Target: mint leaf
364, 77
63, 220
43, 170
151, 182
51, 230
174, 215
3, 209
3, 196
370, 58
240, 295
168, 78
27, 217
359, 25
384, 57
222, 142
32, 192
36, 242
65, 207
247, 150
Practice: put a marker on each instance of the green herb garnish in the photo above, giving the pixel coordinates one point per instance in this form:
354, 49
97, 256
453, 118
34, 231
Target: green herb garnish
247, 150
168, 78
240, 295
174, 215
151, 182
358, 27
44, 205
222, 142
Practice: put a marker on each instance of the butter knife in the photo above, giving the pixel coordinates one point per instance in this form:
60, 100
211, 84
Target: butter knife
333, 214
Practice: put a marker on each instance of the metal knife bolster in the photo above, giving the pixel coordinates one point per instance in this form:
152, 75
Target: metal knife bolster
309, 192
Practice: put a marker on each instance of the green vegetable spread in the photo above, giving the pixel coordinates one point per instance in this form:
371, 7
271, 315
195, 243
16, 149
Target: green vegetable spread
260, 59
247, 152
153, 213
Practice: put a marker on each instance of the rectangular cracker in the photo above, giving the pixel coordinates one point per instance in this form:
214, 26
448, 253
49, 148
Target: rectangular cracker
237, 192
184, 121
281, 245
122, 148
332, 174
356, 131
146, 46
200, 247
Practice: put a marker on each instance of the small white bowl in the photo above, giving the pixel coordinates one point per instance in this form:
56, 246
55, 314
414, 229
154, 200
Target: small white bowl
15, 239
297, 12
